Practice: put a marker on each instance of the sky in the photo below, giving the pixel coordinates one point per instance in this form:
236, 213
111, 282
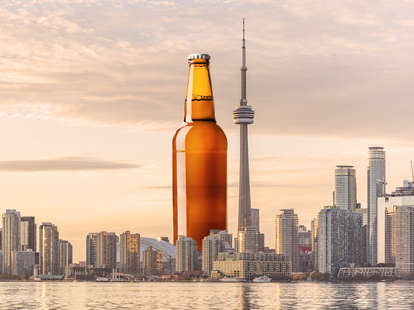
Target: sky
91, 92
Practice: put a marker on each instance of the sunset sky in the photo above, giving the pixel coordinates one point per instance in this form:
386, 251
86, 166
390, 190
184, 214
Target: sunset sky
91, 92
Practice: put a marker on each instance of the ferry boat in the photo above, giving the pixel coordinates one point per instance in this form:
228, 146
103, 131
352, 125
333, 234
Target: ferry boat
102, 279
262, 279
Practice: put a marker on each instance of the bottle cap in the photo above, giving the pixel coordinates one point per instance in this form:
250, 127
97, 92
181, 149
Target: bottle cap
198, 56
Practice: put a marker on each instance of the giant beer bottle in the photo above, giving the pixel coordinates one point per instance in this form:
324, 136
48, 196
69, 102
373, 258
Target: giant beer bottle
199, 160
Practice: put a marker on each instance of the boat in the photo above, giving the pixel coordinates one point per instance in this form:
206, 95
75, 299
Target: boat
228, 279
102, 279
262, 279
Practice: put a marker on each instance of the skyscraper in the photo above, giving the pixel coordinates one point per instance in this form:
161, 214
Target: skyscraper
11, 238
28, 233
376, 188
218, 241
255, 218
345, 187
65, 255
91, 249
106, 249
49, 249
339, 235
243, 115
152, 261
287, 236
187, 254
130, 252
248, 240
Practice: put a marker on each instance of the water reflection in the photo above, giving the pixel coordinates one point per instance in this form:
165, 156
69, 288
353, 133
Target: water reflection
245, 303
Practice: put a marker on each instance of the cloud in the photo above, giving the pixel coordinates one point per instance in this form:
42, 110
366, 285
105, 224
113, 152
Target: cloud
64, 164
314, 69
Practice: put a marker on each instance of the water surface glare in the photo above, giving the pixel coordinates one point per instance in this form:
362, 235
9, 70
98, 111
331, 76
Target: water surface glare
240, 296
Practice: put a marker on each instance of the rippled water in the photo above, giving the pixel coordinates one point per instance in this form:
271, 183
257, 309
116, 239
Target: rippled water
302, 295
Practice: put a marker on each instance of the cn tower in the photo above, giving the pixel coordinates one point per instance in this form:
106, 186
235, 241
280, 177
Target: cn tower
243, 115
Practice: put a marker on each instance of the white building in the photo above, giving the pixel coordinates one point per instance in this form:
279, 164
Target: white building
218, 241
187, 254
345, 187
376, 188
10, 239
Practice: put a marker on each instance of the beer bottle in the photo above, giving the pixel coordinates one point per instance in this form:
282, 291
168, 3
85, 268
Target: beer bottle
199, 160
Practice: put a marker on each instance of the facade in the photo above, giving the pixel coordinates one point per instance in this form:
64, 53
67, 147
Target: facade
130, 246
49, 249
187, 254
28, 233
255, 218
339, 238
305, 249
352, 273
243, 115
287, 236
345, 187
23, 263
248, 240
376, 188
387, 207
106, 249
152, 262
251, 265
10, 239
404, 239
91, 249
65, 255
218, 241
314, 229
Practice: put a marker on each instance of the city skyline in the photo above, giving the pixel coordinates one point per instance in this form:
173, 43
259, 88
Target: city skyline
86, 148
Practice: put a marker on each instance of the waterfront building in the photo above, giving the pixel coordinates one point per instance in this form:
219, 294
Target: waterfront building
243, 115
287, 236
1, 234
314, 229
49, 249
10, 238
106, 244
218, 241
345, 187
91, 249
152, 262
250, 265
28, 233
339, 238
376, 188
247, 240
187, 254
65, 255
358, 273
130, 252
23, 263
387, 229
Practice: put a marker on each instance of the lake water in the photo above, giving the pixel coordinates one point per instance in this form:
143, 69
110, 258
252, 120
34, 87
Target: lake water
241, 296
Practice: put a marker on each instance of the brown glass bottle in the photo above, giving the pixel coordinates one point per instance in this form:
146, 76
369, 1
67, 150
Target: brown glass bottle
199, 160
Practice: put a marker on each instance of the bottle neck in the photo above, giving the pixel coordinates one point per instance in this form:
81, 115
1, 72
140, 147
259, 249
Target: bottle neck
199, 104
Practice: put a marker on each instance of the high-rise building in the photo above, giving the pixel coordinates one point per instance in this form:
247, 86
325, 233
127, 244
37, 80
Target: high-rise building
339, 233
376, 188
305, 249
187, 254
345, 187
49, 249
1, 240
65, 255
287, 236
106, 243
152, 261
404, 239
91, 249
388, 226
248, 239
218, 241
243, 115
23, 263
28, 233
130, 252
11, 238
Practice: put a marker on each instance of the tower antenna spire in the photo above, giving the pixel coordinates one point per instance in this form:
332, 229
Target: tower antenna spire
243, 100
